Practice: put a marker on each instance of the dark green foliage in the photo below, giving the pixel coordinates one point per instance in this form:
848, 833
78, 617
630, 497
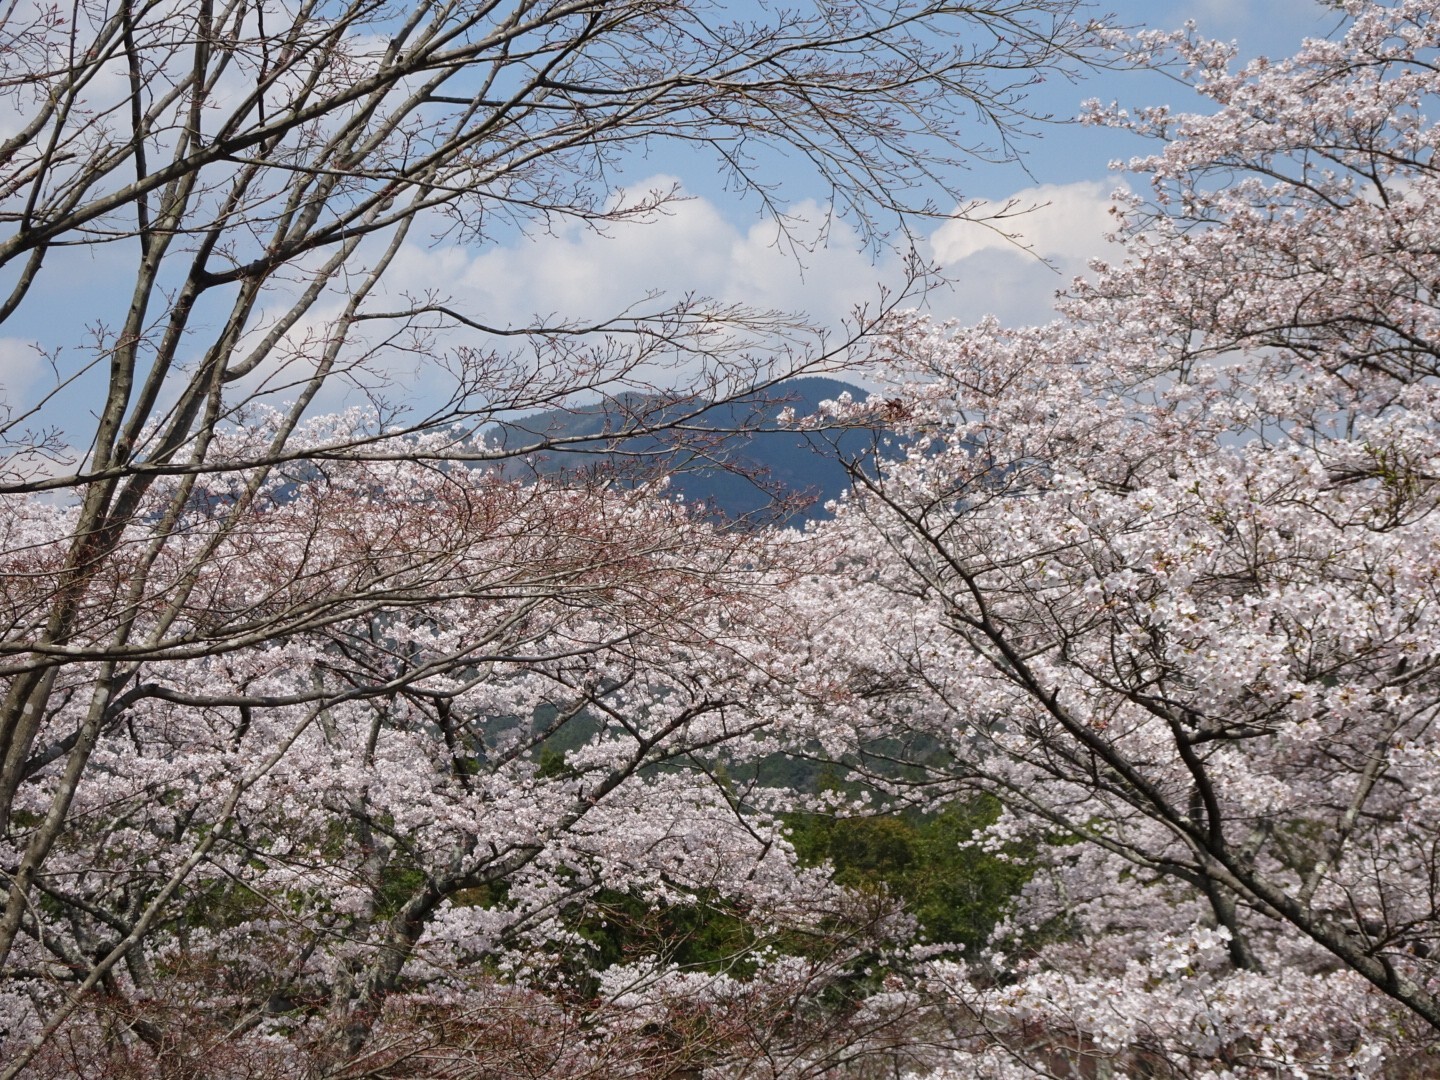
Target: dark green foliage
397, 884
551, 763
957, 892
709, 935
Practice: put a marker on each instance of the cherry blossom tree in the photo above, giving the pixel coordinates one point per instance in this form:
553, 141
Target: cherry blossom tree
1161, 575
281, 686
390, 739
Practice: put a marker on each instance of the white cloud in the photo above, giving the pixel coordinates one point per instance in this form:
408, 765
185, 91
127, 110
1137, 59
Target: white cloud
1034, 244
692, 248
1060, 222
581, 273
20, 366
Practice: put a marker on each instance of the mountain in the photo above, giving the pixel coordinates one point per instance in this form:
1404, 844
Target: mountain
736, 456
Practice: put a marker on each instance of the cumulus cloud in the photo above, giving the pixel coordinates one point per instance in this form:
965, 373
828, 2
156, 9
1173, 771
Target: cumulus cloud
689, 247
817, 267
1008, 258
20, 367
1060, 222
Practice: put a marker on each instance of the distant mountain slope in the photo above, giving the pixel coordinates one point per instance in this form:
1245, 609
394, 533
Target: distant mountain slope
749, 466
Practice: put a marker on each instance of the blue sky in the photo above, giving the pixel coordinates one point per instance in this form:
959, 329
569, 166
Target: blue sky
713, 244
1273, 28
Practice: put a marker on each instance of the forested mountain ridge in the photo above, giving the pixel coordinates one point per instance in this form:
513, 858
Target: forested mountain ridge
737, 456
